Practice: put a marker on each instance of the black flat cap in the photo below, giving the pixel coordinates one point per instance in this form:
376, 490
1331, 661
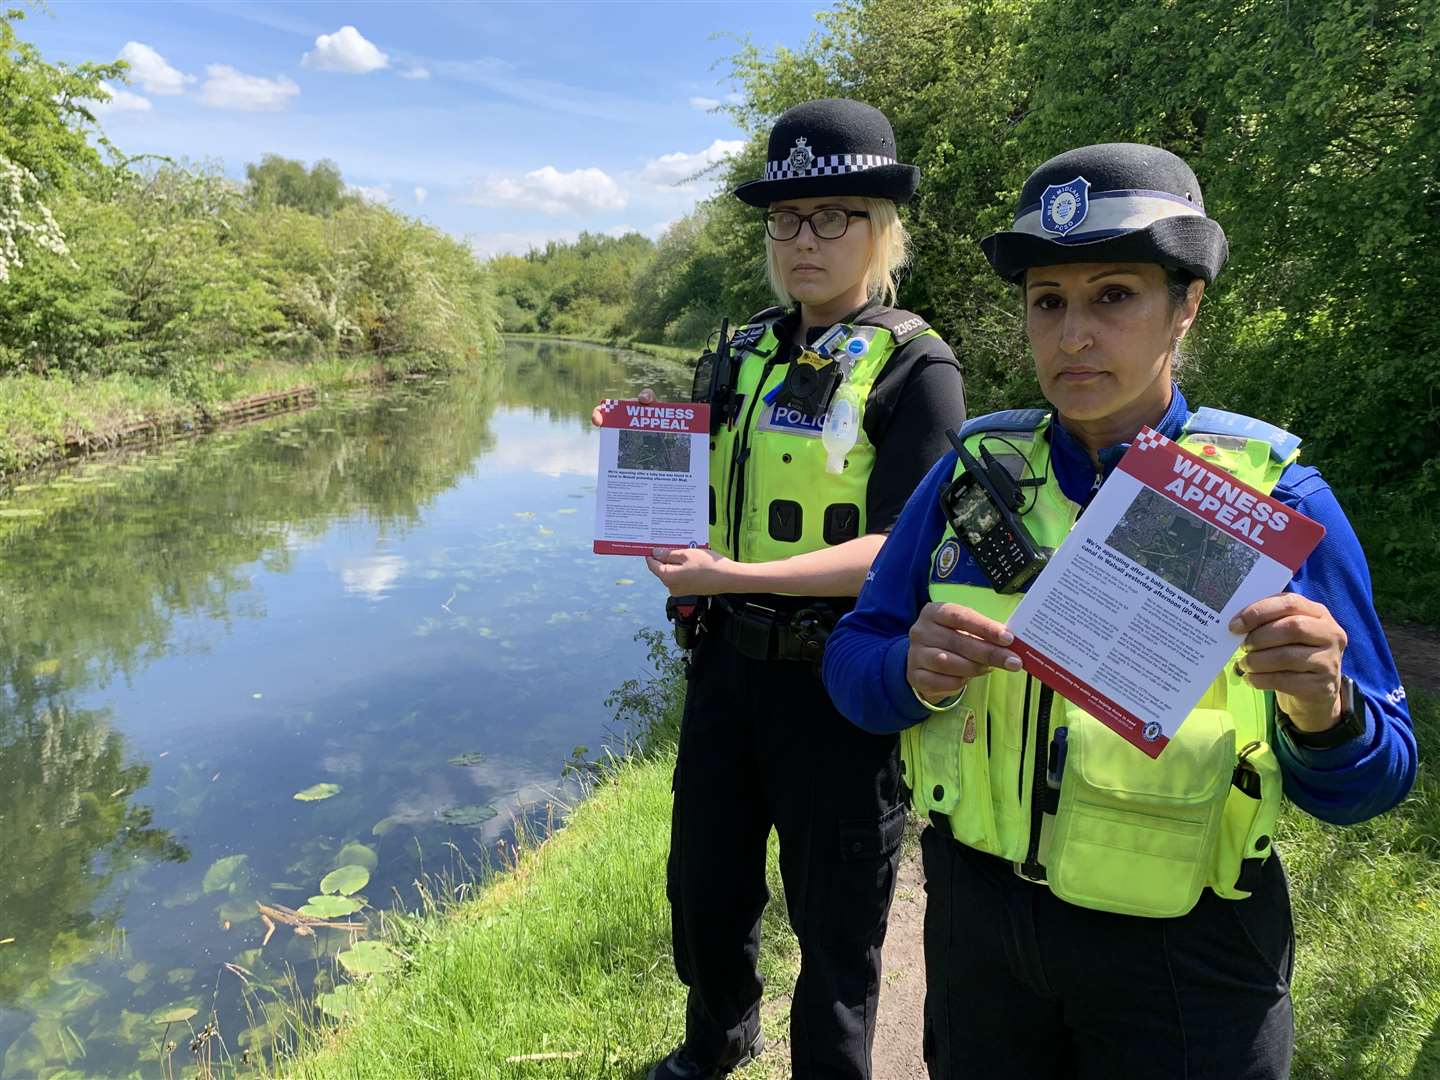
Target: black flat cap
1111, 202
833, 146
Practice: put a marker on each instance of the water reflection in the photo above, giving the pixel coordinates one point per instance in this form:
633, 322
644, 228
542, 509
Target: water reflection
390, 596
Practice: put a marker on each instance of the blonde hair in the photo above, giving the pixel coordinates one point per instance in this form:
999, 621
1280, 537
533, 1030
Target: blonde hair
889, 254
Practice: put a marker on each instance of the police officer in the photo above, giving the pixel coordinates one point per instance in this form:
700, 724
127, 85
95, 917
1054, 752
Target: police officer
1093, 912
798, 511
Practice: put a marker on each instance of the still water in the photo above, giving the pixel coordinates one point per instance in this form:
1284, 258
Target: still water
388, 602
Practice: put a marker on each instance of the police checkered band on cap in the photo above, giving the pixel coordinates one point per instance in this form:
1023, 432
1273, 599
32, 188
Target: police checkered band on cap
826, 165
1102, 214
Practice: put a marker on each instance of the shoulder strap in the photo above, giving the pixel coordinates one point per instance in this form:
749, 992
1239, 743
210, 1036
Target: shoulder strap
1006, 420
1208, 421
903, 325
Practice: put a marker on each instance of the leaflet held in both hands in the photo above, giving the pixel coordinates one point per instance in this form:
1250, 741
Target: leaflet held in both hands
654, 480
1130, 618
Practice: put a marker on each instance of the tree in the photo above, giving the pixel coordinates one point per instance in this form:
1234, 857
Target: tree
279, 181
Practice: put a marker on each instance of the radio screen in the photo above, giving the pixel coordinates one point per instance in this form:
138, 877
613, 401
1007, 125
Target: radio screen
974, 516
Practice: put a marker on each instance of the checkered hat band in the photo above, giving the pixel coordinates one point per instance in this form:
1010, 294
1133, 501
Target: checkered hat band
827, 165
1112, 213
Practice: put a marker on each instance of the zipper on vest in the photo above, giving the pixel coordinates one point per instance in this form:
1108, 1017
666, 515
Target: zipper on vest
737, 467
1039, 787
1024, 740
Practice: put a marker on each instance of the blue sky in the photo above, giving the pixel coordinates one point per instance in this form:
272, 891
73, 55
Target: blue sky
509, 123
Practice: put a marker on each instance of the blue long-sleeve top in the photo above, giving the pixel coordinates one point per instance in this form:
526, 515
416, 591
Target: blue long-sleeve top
864, 666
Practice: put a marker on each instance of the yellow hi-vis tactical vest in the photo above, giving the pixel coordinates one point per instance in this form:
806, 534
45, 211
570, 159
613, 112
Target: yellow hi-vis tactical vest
1123, 832
770, 496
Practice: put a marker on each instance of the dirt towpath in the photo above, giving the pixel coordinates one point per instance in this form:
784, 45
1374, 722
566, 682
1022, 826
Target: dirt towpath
899, 1027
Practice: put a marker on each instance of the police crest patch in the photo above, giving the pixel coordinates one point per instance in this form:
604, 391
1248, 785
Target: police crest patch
946, 559
1064, 206
801, 156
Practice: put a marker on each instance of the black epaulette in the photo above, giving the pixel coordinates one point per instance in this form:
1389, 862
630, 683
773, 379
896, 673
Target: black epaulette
903, 325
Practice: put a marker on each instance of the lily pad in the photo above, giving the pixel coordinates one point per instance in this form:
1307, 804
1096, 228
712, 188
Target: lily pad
346, 880
468, 815
624, 581
353, 854
385, 825
175, 1015
330, 907
470, 757
316, 792
339, 1002
368, 958
224, 873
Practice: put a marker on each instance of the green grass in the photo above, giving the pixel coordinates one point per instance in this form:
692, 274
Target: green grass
570, 954
37, 413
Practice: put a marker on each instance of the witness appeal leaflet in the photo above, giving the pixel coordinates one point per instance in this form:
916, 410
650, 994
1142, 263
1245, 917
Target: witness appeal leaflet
1129, 620
653, 488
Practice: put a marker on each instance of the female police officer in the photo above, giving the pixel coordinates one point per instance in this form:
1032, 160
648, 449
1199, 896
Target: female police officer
796, 518
1084, 920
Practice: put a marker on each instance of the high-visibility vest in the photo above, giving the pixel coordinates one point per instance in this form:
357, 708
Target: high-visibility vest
770, 494
1123, 833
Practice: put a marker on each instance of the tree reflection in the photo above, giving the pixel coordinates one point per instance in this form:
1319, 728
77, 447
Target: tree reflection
68, 825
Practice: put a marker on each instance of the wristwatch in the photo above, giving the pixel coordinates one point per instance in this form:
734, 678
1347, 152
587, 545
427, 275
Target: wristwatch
1351, 724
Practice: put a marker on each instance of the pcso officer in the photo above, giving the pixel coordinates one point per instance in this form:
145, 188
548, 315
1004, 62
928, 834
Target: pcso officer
1093, 912
827, 411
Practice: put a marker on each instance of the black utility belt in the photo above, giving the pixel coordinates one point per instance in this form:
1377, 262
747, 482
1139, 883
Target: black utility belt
765, 633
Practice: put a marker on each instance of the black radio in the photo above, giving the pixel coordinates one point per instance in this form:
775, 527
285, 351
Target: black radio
981, 506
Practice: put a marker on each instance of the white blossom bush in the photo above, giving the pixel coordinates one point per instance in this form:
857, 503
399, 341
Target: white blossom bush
23, 218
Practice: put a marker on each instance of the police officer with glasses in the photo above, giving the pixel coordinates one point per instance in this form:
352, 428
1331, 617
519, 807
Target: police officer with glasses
827, 410
1092, 912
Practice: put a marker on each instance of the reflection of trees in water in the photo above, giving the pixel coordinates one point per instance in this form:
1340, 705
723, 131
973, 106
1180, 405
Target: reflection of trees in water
1185, 550
68, 825
565, 380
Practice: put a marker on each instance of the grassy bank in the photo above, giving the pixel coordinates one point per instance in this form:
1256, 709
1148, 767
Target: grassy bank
41, 414
569, 955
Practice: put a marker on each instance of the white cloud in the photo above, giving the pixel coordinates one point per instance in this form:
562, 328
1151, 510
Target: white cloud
379, 194
347, 51
416, 73
704, 104
121, 101
227, 88
421, 194
680, 167
583, 191
152, 71
370, 576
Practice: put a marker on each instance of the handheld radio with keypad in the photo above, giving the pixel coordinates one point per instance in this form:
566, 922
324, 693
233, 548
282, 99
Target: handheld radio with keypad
981, 506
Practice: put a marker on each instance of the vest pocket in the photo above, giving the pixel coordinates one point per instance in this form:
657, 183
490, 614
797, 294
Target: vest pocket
1134, 835
786, 521
1247, 827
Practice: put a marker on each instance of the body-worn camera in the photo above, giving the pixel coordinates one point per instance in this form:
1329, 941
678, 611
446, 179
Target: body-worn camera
716, 373
809, 384
982, 507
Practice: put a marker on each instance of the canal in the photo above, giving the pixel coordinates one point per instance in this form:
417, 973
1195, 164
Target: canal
369, 635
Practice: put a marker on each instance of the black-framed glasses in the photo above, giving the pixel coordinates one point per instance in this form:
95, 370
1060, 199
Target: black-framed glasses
828, 223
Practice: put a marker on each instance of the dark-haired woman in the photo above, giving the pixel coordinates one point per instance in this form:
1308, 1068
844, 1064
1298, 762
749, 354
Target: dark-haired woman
1092, 912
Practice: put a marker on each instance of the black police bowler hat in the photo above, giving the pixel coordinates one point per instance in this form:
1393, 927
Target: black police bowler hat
1112, 202
834, 146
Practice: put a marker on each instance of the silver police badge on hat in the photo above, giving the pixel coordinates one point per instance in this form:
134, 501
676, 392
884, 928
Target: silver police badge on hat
1064, 206
802, 157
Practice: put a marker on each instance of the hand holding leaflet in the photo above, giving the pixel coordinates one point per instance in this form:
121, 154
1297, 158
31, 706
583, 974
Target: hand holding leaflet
1131, 618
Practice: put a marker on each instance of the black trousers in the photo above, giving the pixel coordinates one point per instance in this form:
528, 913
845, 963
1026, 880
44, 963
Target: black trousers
1023, 985
761, 745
